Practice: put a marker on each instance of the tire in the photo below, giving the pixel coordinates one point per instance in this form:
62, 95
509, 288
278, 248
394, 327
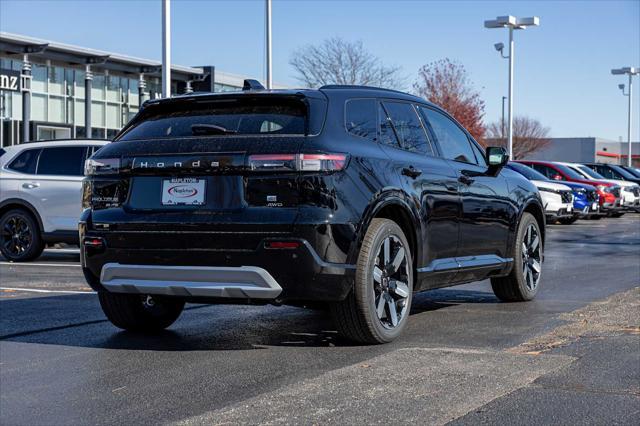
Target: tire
568, 220
20, 238
377, 309
141, 313
598, 217
523, 281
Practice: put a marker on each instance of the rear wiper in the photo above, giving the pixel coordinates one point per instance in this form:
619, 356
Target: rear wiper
210, 129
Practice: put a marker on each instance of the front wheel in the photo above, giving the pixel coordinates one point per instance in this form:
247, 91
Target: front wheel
523, 281
377, 309
137, 312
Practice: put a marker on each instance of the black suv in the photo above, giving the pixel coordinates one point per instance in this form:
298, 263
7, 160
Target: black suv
346, 196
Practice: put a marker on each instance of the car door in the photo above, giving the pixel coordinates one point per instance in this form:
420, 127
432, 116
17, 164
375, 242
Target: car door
487, 210
433, 183
58, 186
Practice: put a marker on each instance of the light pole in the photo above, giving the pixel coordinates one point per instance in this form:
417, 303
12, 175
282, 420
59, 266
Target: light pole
512, 23
631, 71
166, 48
268, 42
504, 98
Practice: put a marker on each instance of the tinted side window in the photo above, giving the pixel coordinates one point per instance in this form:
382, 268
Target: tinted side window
63, 161
26, 162
408, 127
361, 117
606, 172
547, 171
452, 140
387, 135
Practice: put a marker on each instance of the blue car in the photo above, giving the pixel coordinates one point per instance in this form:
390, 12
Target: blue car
585, 197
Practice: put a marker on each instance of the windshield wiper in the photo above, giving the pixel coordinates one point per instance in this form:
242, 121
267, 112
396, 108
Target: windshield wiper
210, 129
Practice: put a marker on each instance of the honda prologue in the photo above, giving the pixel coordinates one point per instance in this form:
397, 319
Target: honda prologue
346, 196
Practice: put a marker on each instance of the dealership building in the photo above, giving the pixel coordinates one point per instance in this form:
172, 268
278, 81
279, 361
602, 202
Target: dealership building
587, 150
51, 90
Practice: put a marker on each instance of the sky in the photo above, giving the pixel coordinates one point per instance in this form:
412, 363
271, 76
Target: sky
562, 68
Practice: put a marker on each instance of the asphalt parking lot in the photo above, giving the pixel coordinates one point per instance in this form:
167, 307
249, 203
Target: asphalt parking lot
572, 356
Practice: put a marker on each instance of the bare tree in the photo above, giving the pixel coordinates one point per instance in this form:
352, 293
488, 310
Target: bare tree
336, 61
446, 83
529, 135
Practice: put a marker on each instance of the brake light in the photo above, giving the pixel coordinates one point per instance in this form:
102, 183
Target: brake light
297, 162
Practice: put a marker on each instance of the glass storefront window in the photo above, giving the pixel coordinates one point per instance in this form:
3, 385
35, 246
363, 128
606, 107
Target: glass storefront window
134, 88
56, 109
39, 78
79, 80
56, 80
113, 116
124, 90
79, 113
38, 107
97, 87
113, 88
97, 114
69, 78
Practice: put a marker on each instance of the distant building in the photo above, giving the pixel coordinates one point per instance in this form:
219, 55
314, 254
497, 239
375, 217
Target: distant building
585, 150
43, 88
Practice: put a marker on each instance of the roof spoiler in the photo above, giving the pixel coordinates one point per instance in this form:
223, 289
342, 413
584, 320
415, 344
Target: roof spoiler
250, 84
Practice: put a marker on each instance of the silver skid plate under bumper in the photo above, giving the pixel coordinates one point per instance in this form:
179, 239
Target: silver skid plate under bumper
199, 281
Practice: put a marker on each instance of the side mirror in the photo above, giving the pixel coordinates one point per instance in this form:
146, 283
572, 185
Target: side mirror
497, 158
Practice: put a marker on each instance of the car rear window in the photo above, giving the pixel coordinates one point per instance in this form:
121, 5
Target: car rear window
223, 117
26, 161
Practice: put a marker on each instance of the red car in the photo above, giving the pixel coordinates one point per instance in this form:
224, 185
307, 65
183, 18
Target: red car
610, 199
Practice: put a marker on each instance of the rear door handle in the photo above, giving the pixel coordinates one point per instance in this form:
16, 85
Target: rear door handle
465, 179
30, 185
411, 171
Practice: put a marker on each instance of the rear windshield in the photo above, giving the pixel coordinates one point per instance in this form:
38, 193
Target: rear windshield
223, 117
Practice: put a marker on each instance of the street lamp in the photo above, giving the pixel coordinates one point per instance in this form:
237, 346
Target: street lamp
268, 43
631, 71
512, 23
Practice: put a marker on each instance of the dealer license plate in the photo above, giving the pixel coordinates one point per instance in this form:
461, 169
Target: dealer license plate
183, 192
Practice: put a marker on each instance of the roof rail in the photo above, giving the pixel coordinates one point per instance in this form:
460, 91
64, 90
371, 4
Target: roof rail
355, 86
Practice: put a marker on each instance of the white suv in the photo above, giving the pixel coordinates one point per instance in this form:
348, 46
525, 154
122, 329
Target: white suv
40, 195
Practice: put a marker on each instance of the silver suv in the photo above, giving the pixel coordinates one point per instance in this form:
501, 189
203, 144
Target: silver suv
40, 195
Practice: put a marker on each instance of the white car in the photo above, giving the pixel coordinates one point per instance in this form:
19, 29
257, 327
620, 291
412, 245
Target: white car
40, 195
627, 193
557, 199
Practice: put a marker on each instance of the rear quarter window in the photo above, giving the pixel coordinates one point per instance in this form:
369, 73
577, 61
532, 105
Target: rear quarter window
25, 162
361, 117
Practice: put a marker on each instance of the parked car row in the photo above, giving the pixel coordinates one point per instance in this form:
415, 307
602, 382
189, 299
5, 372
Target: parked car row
573, 191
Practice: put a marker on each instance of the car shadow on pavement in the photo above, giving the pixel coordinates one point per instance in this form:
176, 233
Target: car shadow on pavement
76, 320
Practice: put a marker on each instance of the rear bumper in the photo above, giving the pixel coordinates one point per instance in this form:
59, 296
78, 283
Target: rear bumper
244, 282
215, 267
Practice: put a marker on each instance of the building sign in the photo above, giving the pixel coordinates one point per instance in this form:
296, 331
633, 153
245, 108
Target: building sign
10, 80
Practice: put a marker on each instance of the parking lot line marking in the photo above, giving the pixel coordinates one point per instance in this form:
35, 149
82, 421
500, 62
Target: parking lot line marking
39, 290
40, 264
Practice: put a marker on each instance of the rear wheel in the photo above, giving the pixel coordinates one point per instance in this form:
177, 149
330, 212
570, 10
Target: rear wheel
523, 281
20, 239
137, 312
377, 309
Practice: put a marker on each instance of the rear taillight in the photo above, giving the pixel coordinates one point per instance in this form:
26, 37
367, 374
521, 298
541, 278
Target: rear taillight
101, 166
297, 162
